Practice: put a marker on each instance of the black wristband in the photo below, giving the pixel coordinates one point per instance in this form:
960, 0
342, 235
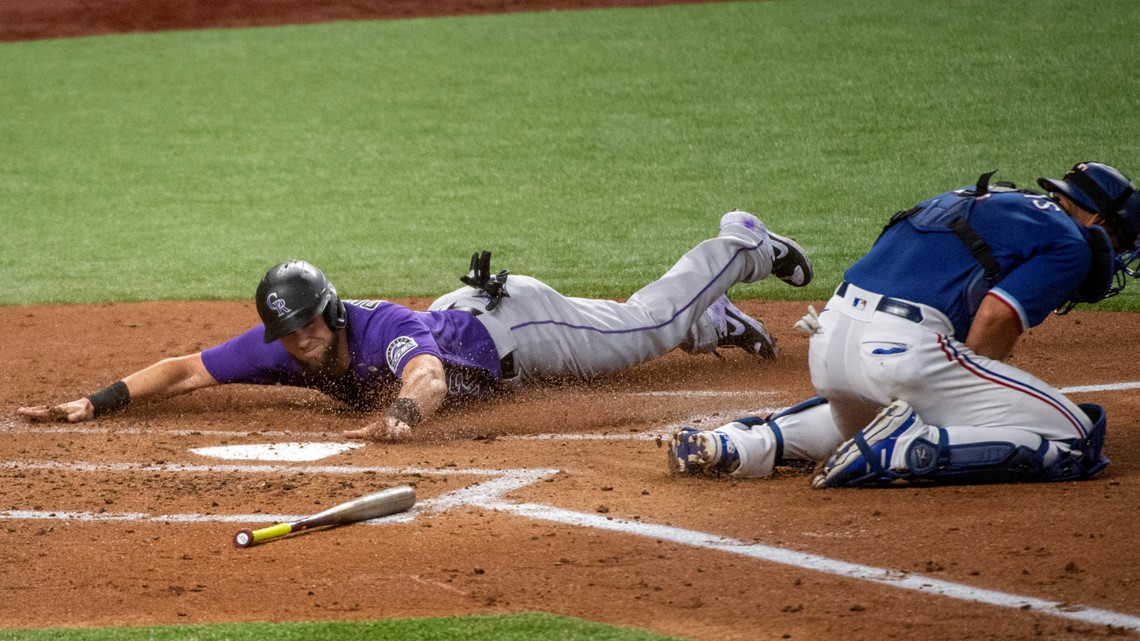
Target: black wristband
406, 410
112, 398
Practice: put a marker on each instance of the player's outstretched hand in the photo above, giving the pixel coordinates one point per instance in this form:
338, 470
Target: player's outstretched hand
388, 428
73, 412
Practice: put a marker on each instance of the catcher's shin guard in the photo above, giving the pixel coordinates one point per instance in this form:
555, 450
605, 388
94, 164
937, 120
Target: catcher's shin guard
1006, 462
865, 458
1092, 461
992, 462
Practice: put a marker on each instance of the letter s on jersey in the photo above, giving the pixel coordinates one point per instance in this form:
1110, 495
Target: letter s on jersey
1044, 203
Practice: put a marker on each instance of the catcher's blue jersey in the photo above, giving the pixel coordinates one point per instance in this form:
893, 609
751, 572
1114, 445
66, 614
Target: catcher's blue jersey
1042, 254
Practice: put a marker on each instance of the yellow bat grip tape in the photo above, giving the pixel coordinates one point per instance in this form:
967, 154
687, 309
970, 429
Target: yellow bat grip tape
271, 532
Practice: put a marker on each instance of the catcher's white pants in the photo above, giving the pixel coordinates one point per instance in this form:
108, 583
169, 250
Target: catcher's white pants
864, 359
553, 336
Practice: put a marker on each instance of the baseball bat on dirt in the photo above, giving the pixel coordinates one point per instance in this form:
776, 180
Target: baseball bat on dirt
382, 503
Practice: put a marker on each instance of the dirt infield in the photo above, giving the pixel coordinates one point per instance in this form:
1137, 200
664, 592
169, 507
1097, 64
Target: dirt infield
38, 19
552, 499
119, 522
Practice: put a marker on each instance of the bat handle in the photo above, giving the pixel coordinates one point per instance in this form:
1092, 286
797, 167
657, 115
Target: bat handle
246, 537
243, 538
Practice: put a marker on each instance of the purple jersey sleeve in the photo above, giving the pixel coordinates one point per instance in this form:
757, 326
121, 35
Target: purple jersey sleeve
247, 359
386, 336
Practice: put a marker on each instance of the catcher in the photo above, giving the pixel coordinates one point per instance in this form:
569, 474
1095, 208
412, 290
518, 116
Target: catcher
498, 331
908, 354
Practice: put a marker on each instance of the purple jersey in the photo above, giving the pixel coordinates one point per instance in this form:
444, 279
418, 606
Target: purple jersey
382, 338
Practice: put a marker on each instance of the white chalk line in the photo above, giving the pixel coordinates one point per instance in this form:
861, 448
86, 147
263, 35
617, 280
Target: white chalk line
489, 495
646, 435
783, 556
1108, 387
521, 473
491, 490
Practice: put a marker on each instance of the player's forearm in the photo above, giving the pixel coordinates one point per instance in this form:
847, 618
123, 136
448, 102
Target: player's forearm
422, 393
170, 377
164, 378
425, 386
995, 329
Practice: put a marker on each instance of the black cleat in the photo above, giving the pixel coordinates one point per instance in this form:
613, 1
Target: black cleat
734, 328
791, 263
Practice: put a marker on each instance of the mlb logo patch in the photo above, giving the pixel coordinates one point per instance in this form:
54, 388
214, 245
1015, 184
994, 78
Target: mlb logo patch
859, 303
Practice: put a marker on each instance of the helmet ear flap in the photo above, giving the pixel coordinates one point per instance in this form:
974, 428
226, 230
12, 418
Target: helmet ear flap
335, 314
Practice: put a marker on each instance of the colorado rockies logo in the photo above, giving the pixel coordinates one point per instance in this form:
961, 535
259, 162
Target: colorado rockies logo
277, 304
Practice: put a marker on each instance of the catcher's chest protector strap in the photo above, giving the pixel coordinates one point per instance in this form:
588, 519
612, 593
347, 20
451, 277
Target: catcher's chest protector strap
978, 247
958, 224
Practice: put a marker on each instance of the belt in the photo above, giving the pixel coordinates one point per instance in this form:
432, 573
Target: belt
892, 306
506, 363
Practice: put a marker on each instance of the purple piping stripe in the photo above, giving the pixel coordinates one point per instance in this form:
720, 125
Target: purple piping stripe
651, 327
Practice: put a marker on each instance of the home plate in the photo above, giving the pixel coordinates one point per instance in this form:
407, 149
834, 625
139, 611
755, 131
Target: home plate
277, 451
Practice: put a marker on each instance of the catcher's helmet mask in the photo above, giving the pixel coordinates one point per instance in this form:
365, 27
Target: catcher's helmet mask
292, 295
1103, 189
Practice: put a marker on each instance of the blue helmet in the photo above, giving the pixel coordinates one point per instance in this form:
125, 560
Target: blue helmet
1103, 189
292, 295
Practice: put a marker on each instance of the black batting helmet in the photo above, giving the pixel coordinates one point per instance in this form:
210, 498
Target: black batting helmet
292, 295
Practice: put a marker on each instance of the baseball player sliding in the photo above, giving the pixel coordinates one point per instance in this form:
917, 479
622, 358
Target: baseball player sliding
907, 355
499, 330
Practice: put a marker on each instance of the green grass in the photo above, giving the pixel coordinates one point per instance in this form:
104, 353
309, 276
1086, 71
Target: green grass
523, 627
589, 148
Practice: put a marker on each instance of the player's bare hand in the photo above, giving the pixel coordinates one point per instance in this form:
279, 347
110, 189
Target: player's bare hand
386, 429
73, 412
